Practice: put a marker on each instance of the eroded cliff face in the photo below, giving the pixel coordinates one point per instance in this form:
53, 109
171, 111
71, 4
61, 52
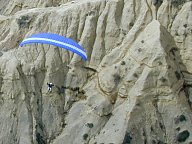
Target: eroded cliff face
134, 88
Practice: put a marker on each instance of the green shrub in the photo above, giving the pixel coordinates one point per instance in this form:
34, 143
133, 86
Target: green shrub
24, 21
177, 3
85, 136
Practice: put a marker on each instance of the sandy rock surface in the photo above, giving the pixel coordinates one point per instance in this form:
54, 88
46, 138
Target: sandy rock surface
136, 86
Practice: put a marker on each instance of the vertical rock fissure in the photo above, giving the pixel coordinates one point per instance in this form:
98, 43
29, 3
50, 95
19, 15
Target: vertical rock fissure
40, 130
35, 109
151, 13
27, 102
134, 11
161, 123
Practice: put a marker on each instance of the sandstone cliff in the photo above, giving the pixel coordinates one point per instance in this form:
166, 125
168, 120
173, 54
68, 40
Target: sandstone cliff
135, 88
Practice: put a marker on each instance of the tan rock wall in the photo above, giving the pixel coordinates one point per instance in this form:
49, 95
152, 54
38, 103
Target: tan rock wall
134, 88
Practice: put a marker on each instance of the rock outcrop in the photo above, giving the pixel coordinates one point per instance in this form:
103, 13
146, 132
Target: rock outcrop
134, 88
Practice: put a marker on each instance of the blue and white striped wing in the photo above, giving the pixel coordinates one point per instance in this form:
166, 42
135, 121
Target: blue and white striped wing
56, 40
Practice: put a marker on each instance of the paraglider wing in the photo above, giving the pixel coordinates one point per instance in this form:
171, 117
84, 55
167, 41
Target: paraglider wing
56, 40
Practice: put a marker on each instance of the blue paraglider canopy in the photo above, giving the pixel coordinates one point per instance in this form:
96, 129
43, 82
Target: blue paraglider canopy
56, 40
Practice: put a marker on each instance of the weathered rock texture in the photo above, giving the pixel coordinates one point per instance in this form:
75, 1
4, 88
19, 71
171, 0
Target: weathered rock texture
135, 88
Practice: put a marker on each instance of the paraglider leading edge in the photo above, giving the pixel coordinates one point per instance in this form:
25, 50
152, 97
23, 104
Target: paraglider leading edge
56, 40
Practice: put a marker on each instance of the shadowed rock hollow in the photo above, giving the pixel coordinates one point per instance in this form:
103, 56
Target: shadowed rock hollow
135, 87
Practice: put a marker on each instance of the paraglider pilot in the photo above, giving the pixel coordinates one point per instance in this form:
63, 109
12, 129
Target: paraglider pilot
50, 85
